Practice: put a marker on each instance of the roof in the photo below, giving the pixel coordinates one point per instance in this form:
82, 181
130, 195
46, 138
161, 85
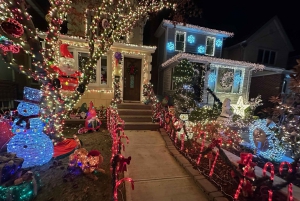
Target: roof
193, 28
207, 59
256, 31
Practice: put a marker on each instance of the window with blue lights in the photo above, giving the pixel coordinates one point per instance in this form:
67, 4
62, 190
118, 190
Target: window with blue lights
180, 41
210, 46
191, 39
219, 42
225, 79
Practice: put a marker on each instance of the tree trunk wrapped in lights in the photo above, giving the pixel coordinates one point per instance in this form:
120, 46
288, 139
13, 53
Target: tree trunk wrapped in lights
16, 25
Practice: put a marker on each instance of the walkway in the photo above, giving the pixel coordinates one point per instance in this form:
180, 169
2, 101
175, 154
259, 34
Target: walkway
156, 174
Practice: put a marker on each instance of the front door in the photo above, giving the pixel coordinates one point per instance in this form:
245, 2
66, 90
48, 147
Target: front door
132, 79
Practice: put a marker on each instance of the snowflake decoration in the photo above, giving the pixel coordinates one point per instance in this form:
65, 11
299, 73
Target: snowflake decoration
219, 43
170, 46
191, 39
201, 49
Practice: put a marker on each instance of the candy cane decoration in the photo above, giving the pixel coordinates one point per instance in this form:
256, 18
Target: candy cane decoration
182, 141
213, 165
246, 169
201, 149
290, 170
118, 184
268, 164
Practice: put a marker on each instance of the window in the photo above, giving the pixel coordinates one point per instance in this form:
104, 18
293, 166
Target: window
180, 41
99, 74
224, 79
210, 46
266, 56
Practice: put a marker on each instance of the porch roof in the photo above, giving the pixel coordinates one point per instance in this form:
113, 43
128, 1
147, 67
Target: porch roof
210, 60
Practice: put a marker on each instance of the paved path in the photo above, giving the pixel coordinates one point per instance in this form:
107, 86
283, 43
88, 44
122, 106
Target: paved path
156, 174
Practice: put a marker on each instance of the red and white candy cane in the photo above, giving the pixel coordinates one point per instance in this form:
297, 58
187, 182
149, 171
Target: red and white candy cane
214, 163
182, 141
246, 169
202, 146
290, 188
268, 164
118, 184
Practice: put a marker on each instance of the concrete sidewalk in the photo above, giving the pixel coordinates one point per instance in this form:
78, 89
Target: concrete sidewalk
157, 175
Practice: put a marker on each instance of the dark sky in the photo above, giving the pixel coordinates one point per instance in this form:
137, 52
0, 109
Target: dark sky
242, 17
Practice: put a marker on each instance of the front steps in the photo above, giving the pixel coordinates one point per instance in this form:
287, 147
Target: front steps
137, 116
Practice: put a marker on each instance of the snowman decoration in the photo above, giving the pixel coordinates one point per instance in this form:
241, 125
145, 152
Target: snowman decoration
29, 142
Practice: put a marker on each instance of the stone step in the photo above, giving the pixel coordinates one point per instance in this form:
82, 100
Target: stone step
135, 112
136, 118
141, 126
139, 106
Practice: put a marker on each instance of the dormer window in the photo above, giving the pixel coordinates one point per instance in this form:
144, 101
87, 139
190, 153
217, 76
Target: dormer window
210, 46
180, 41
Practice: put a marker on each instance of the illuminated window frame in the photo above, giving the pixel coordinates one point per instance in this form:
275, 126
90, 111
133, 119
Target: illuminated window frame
213, 45
184, 40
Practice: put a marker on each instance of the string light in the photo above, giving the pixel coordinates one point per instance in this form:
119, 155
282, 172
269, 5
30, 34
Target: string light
239, 107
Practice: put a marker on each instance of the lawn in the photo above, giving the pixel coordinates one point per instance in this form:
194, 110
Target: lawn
61, 185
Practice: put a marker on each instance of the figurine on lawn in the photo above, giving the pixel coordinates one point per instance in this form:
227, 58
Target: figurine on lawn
92, 122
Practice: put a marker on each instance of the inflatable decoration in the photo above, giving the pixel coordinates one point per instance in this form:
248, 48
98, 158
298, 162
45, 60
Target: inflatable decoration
68, 76
92, 123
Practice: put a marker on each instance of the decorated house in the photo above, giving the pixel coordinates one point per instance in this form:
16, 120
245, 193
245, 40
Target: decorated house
203, 47
127, 61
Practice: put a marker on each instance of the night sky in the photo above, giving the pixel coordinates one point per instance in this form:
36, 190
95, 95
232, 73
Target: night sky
244, 18
239, 17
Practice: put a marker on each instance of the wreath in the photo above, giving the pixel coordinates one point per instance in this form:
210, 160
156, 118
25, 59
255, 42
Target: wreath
132, 70
226, 80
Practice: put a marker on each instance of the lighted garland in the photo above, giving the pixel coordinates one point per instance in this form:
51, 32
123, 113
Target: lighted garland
226, 80
274, 151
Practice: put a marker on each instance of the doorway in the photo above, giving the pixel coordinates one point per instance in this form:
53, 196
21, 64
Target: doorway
132, 79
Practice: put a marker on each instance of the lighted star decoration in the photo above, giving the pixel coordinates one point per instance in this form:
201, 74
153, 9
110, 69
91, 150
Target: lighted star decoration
239, 107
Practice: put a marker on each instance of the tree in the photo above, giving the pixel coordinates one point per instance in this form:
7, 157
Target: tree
18, 28
286, 114
183, 80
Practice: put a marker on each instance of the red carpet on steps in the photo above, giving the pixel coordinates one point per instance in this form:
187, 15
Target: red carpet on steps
64, 147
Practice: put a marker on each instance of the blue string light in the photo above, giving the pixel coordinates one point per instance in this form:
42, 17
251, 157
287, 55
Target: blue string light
274, 151
219, 42
201, 49
170, 46
191, 39
28, 109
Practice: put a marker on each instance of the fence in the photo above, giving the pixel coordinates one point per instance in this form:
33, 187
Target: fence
115, 126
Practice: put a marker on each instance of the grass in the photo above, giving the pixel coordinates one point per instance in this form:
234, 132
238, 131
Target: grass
60, 185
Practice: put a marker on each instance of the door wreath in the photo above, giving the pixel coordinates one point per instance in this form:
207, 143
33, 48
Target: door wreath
132, 70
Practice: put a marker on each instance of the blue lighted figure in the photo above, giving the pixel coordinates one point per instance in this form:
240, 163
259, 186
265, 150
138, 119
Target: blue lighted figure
29, 142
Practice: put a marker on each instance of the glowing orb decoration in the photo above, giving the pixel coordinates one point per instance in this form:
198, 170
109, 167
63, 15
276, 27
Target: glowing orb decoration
191, 39
201, 49
170, 46
219, 43
239, 107
35, 148
263, 139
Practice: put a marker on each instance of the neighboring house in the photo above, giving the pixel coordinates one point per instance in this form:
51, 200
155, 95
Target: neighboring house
203, 46
270, 46
100, 89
